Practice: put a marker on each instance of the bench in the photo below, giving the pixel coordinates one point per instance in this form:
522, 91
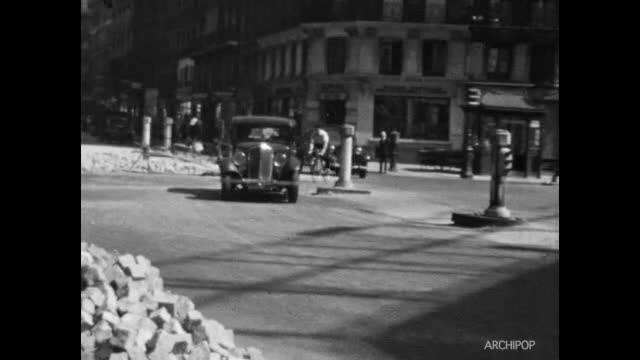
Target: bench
441, 158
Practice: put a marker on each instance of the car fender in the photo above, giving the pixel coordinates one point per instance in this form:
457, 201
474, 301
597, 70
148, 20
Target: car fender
227, 166
290, 170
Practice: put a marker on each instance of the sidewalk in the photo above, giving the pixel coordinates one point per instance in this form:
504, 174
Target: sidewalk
422, 171
111, 158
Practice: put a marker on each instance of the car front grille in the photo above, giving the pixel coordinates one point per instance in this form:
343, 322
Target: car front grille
260, 159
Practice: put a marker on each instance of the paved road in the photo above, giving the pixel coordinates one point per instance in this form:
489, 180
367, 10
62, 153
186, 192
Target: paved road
344, 277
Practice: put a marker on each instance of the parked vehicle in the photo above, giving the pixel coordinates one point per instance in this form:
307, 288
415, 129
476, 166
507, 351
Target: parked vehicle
262, 157
118, 127
359, 161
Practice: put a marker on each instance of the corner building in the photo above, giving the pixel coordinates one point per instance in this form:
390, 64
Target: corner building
391, 66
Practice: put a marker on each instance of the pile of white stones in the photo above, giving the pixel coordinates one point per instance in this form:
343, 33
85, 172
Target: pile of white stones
127, 315
100, 159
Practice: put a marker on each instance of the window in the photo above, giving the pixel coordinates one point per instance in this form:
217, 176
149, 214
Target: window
430, 120
334, 111
294, 58
543, 13
543, 61
501, 10
414, 11
189, 75
234, 18
336, 55
390, 57
499, 60
392, 10
283, 56
436, 11
434, 58
389, 114
305, 54
273, 55
340, 9
236, 68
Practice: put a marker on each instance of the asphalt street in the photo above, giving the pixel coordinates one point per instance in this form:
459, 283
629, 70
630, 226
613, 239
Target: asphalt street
380, 276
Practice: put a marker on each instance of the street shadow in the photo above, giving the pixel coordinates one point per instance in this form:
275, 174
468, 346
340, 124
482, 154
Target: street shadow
425, 169
240, 196
525, 308
525, 248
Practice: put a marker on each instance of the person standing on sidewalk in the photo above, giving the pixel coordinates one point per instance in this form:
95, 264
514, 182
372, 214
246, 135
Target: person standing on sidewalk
383, 152
195, 134
556, 174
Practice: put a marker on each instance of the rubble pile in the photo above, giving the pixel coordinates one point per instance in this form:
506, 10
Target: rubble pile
127, 315
102, 159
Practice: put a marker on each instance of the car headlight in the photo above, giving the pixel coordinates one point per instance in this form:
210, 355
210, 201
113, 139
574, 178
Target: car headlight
358, 150
280, 159
239, 158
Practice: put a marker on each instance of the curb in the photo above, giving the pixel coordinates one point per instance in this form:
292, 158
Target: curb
475, 220
335, 190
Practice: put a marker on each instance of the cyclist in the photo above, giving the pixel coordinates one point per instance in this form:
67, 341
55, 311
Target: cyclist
319, 143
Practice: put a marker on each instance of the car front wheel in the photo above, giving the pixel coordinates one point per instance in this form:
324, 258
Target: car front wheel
292, 194
225, 189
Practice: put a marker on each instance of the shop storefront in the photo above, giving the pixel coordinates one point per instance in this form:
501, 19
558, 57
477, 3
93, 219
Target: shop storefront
513, 111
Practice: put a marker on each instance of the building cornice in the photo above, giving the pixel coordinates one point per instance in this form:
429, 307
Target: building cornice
365, 29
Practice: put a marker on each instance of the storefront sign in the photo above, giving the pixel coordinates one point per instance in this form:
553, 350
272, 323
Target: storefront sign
414, 91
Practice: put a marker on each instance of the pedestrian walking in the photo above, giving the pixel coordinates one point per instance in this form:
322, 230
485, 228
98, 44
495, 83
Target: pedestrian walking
383, 152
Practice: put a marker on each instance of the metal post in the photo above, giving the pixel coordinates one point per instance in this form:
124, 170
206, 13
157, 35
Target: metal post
497, 206
146, 135
467, 167
168, 125
344, 179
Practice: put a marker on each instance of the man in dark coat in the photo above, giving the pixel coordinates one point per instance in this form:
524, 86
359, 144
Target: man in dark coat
383, 152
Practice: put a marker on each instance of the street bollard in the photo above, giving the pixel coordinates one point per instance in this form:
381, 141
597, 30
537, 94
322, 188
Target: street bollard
467, 167
497, 208
146, 136
344, 180
168, 125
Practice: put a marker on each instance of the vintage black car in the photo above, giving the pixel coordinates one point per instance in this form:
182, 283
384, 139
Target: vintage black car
359, 160
262, 157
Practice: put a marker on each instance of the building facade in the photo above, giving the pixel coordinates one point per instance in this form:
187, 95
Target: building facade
107, 48
401, 65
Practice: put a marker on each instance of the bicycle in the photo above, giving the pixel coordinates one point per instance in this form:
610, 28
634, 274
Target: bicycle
318, 167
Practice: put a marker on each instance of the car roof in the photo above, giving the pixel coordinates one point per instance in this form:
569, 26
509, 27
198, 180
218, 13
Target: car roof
262, 120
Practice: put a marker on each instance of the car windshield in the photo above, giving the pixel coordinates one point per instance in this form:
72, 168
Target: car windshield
263, 133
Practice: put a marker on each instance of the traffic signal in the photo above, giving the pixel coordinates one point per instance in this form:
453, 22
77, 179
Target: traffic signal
473, 96
507, 159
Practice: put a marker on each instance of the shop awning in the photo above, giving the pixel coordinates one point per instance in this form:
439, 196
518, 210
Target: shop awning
507, 101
